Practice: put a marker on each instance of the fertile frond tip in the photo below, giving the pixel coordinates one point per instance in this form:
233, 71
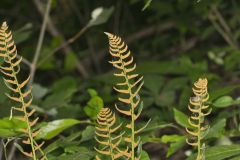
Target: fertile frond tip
108, 34
4, 24
202, 83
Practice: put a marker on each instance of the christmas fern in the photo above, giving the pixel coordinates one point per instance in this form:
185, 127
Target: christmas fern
199, 110
129, 85
20, 94
106, 135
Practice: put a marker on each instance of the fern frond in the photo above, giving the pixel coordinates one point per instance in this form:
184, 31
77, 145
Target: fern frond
105, 135
199, 111
20, 94
128, 87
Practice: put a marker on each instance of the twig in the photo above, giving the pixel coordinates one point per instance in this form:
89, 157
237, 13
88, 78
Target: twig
222, 27
55, 33
64, 44
25, 61
221, 20
40, 42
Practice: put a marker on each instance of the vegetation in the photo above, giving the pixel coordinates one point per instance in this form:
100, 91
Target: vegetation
55, 107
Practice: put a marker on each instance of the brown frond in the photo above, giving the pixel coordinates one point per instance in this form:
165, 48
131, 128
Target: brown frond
197, 106
105, 132
20, 94
129, 87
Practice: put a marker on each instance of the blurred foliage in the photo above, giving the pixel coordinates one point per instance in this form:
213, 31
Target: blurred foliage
175, 42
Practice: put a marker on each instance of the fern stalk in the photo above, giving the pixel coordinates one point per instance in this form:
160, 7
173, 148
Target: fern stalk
105, 135
130, 87
199, 110
10, 69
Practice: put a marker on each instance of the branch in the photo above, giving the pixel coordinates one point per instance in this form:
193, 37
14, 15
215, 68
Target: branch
221, 26
40, 42
64, 46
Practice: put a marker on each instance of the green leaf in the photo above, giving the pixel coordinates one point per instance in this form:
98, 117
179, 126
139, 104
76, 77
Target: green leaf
147, 5
100, 15
220, 152
94, 105
171, 138
11, 128
62, 90
52, 129
223, 101
217, 130
88, 133
39, 91
144, 156
70, 61
92, 92
222, 91
176, 142
23, 33
181, 118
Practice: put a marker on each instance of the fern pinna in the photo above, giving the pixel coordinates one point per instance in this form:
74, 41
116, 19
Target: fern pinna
106, 135
10, 69
199, 110
129, 87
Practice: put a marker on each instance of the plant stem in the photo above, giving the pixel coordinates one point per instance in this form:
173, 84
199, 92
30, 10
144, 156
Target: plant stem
22, 103
132, 110
199, 156
40, 42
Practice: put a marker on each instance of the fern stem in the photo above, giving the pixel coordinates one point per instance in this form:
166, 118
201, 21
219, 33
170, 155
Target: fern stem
132, 110
110, 142
22, 103
199, 156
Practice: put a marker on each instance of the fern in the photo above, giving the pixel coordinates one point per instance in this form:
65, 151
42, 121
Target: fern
23, 98
199, 111
105, 130
129, 88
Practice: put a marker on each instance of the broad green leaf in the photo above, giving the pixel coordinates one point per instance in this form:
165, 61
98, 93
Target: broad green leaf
39, 91
23, 33
144, 156
181, 118
217, 130
220, 152
81, 155
176, 142
171, 138
222, 91
100, 15
62, 91
88, 133
70, 61
52, 129
223, 101
92, 92
11, 128
61, 142
94, 105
